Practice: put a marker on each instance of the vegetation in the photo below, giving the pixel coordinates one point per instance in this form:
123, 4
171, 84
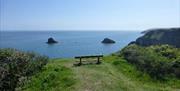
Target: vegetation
158, 61
134, 68
114, 74
16, 66
53, 77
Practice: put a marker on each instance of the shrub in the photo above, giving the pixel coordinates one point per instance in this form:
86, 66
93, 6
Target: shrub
158, 61
15, 65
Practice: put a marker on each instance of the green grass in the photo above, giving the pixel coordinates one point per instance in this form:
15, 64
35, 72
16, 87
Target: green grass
114, 74
54, 77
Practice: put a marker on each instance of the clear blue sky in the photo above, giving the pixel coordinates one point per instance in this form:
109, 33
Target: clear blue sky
88, 14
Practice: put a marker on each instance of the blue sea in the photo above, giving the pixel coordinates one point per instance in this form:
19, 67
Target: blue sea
70, 43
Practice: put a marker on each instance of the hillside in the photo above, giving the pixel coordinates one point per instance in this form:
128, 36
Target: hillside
169, 36
114, 74
135, 68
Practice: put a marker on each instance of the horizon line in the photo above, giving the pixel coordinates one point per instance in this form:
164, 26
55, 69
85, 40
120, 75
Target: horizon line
74, 30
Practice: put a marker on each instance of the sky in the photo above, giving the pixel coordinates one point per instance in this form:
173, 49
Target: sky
88, 14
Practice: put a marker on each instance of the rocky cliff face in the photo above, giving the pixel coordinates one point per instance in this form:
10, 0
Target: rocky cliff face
169, 36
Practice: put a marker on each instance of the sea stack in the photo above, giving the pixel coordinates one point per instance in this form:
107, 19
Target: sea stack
108, 41
51, 41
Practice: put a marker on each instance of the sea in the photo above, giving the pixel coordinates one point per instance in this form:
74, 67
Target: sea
70, 43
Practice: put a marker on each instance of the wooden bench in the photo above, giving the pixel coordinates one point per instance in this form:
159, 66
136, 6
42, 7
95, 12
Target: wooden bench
94, 56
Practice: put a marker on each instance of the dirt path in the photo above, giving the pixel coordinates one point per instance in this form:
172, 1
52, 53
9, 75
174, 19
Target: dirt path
102, 77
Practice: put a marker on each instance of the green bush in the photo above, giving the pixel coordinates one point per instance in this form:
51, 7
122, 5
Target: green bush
16, 65
158, 61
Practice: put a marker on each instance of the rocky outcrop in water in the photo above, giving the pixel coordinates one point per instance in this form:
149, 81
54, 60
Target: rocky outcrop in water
51, 41
169, 36
108, 41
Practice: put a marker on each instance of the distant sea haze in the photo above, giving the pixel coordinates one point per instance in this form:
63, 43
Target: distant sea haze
70, 43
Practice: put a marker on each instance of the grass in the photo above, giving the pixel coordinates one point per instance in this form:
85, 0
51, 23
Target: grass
54, 77
114, 74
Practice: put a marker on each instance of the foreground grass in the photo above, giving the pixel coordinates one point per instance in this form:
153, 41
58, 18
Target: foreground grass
114, 74
54, 77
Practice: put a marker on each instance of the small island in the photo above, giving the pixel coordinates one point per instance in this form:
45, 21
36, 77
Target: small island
108, 41
51, 41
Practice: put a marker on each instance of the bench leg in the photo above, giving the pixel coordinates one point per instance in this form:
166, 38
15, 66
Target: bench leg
80, 62
98, 61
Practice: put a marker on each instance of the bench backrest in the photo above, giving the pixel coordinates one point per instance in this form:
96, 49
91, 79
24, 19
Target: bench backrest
93, 56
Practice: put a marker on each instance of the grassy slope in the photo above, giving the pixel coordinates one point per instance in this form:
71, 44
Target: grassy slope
114, 74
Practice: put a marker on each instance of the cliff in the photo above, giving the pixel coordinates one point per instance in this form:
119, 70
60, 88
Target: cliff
169, 36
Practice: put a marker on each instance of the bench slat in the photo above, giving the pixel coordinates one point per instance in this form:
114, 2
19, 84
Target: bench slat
93, 56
